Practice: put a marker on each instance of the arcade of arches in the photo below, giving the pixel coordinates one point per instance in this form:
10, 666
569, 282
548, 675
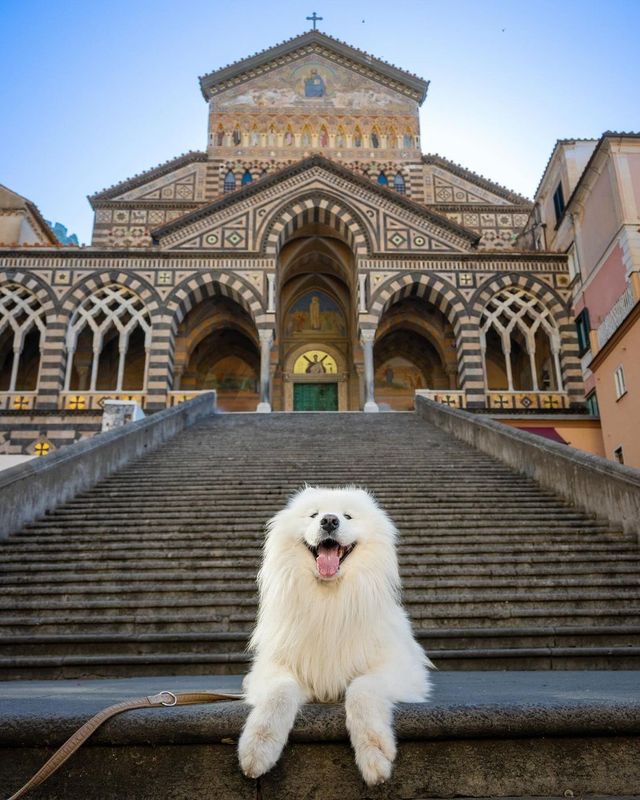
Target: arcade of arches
317, 361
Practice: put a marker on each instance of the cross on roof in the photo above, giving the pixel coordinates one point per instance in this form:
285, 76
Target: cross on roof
315, 18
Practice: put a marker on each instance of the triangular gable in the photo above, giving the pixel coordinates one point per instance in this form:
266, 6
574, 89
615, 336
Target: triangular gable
313, 42
240, 222
11, 201
452, 184
174, 180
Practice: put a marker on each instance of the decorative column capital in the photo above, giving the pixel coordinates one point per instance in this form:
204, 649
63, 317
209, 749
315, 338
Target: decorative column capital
266, 336
367, 335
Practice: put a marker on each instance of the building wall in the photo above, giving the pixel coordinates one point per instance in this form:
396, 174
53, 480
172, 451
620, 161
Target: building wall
621, 416
584, 434
600, 221
604, 288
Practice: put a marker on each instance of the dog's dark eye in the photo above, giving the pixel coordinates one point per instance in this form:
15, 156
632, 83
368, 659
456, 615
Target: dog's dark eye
314, 515
348, 516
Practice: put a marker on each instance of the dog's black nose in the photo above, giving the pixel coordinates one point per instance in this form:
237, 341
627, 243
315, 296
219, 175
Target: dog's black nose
329, 522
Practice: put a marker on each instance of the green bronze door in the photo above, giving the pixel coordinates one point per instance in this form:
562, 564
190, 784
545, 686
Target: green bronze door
315, 396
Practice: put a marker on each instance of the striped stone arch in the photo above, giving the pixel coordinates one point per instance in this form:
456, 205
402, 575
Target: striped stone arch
445, 297
194, 290
37, 287
316, 208
571, 369
52, 348
182, 299
429, 287
91, 284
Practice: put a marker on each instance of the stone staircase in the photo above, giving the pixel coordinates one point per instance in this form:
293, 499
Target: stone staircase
152, 572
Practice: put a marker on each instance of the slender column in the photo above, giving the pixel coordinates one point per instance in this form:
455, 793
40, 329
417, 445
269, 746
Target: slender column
366, 338
506, 349
531, 346
121, 361
555, 350
17, 349
271, 293
362, 282
266, 341
97, 348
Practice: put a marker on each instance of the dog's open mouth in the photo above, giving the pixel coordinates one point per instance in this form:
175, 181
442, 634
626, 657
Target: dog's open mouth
329, 554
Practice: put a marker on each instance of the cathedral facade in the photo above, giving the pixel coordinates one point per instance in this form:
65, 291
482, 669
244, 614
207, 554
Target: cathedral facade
312, 258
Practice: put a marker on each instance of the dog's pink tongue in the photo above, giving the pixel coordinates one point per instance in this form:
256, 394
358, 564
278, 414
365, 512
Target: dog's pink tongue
327, 561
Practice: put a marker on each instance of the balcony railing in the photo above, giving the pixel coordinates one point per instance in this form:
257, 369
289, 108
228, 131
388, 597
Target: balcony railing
94, 401
616, 315
454, 398
526, 401
17, 401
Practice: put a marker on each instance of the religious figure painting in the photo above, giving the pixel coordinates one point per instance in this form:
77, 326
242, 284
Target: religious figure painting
399, 374
315, 312
315, 362
314, 85
325, 84
231, 374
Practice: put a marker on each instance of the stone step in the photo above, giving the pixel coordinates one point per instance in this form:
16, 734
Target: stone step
483, 735
226, 520
411, 534
453, 639
492, 604
231, 662
169, 548
241, 583
179, 620
426, 573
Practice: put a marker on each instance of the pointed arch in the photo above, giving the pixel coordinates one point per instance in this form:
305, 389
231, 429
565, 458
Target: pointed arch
316, 208
229, 183
306, 138
196, 288
399, 183
443, 295
570, 368
100, 335
22, 336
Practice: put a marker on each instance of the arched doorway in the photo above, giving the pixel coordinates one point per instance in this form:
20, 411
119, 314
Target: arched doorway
217, 348
316, 323
414, 349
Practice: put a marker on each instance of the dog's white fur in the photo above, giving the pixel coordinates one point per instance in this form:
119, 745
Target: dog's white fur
325, 639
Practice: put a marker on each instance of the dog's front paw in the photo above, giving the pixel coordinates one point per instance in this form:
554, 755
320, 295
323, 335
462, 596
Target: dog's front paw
374, 764
258, 750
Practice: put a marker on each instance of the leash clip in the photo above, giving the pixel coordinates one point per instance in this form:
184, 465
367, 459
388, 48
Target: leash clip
171, 701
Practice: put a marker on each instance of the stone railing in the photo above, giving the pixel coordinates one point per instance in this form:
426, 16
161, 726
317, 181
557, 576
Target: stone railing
454, 398
616, 315
17, 401
83, 401
28, 491
525, 401
592, 483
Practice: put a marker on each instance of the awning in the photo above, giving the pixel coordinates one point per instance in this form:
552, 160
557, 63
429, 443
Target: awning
548, 433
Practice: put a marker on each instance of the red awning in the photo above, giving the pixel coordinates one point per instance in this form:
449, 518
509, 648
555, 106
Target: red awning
548, 433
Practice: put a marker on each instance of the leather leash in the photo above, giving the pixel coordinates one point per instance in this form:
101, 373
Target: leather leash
82, 734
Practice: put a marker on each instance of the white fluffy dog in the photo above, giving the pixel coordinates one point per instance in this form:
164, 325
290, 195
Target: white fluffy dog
330, 626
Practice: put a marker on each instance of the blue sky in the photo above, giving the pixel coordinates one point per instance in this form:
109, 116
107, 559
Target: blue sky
94, 92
